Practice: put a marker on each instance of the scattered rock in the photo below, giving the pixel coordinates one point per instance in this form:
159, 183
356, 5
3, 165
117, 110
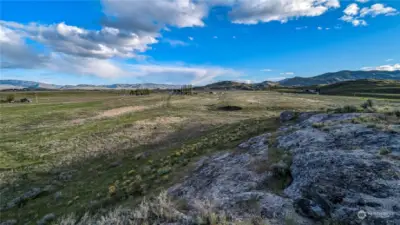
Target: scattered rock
287, 115
49, 188
31, 194
65, 175
9, 222
141, 155
46, 219
57, 195
115, 164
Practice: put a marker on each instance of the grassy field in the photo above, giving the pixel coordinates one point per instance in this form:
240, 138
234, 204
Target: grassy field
89, 150
362, 88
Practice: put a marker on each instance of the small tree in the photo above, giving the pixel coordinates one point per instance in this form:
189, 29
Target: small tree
10, 98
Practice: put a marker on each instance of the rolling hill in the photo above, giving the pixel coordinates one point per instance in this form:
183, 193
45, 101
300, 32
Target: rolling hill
330, 78
21, 84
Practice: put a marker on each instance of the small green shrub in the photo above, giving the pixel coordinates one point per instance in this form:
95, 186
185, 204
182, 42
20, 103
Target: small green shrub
384, 151
318, 125
346, 109
368, 104
10, 98
397, 113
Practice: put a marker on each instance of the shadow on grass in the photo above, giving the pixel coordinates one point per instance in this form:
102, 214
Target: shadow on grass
124, 177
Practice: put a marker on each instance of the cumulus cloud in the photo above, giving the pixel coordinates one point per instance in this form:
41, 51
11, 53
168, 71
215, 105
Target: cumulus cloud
255, 11
378, 9
151, 15
104, 43
351, 10
384, 68
355, 16
15, 53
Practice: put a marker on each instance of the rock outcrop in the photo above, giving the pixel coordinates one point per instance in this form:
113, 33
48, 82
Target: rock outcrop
338, 172
338, 168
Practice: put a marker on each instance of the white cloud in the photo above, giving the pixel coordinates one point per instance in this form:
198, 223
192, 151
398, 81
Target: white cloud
378, 9
362, 1
175, 43
191, 38
287, 73
355, 16
357, 22
389, 60
384, 67
352, 9
301, 28
104, 43
15, 53
151, 15
245, 81
337, 27
266, 70
319, 28
275, 78
255, 11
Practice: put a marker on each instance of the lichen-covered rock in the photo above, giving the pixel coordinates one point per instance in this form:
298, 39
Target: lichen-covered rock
230, 183
338, 174
338, 168
31, 194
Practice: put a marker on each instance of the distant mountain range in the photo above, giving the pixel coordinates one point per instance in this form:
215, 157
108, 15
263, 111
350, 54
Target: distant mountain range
327, 78
21, 84
330, 78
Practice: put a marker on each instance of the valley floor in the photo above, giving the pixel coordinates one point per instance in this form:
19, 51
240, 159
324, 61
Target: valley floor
73, 152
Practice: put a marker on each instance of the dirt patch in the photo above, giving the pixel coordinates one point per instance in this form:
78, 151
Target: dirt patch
120, 111
113, 113
230, 108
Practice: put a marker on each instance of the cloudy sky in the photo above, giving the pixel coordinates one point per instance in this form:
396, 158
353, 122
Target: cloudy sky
194, 41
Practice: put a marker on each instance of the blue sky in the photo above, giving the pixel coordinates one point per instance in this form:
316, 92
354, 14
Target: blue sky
194, 41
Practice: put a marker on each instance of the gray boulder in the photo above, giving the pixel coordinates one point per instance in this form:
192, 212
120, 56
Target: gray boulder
287, 115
